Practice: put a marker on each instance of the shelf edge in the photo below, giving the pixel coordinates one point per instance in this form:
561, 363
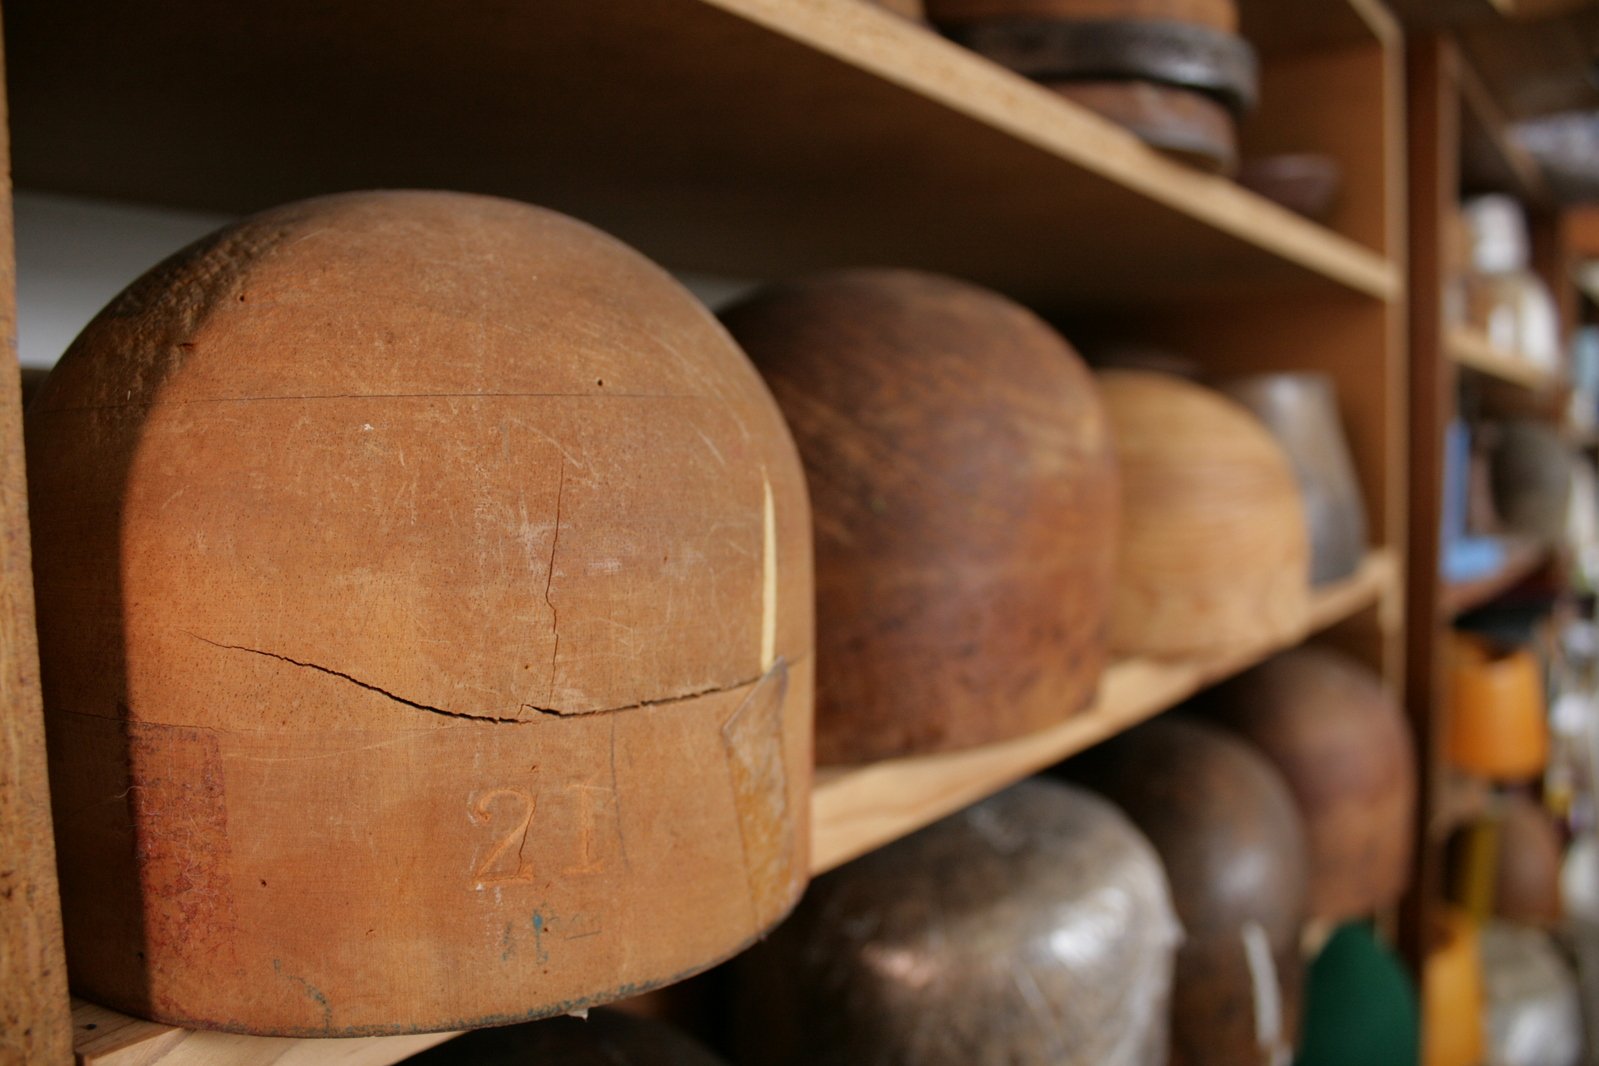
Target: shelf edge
869, 39
855, 810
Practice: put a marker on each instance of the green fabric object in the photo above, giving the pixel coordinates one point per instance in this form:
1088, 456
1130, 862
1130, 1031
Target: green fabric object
1360, 1005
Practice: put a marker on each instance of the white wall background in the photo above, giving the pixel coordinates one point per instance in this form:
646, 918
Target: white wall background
74, 255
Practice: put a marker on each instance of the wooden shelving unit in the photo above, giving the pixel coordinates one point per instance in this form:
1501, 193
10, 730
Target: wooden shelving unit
762, 138
1460, 145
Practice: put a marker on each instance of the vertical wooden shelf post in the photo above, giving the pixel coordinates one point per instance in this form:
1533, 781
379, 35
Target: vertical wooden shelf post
1434, 119
33, 969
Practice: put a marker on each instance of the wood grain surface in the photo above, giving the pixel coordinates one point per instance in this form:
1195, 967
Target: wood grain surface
965, 498
719, 171
1214, 547
35, 1025
427, 626
1217, 14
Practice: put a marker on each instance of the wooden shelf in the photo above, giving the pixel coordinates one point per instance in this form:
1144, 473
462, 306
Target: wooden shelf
748, 137
103, 1037
857, 809
1523, 558
1470, 349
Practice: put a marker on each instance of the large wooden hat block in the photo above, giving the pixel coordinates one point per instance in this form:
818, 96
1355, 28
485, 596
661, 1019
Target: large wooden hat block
424, 592
965, 492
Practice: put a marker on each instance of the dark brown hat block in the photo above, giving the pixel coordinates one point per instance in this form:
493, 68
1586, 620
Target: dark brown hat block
422, 579
1033, 929
1528, 864
964, 488
1342, 745
1226, 828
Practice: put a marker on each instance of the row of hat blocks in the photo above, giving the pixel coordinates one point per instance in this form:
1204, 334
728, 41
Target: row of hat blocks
1043, 650
507, 799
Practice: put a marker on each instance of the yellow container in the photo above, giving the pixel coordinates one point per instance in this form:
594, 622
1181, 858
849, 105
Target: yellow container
1452, 995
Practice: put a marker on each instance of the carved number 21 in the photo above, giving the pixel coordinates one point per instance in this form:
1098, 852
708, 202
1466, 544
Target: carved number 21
492, 871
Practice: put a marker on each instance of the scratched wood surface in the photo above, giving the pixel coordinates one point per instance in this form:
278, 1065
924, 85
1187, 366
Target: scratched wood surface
426, 619
34, 1024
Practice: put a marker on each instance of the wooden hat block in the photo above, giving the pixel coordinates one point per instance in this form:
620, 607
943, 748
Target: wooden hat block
1215, 549
424, 592
1226, 828
1032, 929
962, 477
1342, 745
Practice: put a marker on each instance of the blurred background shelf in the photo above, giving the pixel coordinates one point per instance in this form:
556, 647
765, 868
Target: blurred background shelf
1523, 558
1470, 349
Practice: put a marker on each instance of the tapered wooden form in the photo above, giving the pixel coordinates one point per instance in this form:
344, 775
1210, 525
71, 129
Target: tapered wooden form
1214, 550
965, 498
425, 602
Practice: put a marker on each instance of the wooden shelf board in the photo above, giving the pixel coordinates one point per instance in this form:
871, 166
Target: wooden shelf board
1470, 349
103, 1037
750, 138
1522, 559
857, 809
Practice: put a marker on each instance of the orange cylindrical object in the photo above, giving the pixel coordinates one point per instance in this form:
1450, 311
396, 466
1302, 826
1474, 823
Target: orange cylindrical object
1498, 725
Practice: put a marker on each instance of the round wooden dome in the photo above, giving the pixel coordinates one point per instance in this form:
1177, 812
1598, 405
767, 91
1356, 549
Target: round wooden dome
1342, 745
1234, 848
1527, 864
1034, 929
424, 600
965, 498
1214, 550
